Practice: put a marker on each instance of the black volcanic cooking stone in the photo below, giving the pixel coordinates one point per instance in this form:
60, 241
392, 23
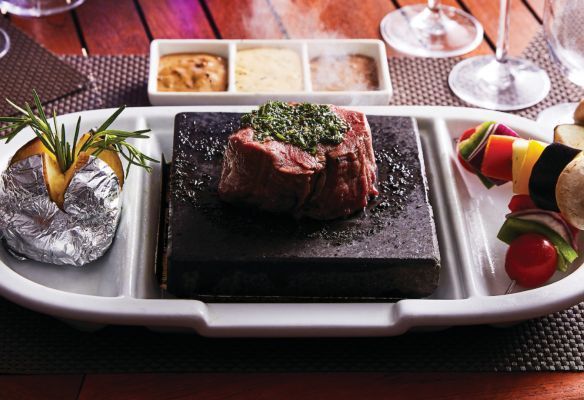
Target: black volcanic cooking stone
222, 252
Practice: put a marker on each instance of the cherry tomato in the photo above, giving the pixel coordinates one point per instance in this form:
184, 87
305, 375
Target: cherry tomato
462, 161
521, 202
531, 260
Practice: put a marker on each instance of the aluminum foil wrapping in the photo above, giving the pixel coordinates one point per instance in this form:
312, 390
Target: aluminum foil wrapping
34, 227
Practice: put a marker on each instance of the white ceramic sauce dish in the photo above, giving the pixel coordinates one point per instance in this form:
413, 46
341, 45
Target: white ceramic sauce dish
307, 50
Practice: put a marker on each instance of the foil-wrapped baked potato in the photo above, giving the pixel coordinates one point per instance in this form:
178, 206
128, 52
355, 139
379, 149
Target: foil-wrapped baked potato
60, 201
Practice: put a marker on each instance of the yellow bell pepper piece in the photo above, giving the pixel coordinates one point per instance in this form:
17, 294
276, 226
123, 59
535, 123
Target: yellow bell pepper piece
526, 158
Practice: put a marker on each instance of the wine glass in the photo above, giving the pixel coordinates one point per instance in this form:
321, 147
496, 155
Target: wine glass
38, 8
564, 32
32, 8
431, 30
499, 82
4, 42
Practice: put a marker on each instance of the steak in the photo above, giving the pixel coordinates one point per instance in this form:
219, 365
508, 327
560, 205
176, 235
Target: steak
336, 181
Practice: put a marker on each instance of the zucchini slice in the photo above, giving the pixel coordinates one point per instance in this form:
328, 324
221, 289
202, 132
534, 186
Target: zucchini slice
546, 172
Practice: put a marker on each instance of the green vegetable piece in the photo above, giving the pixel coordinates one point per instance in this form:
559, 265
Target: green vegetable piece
485, 181
562, 262
467, 146
514, 227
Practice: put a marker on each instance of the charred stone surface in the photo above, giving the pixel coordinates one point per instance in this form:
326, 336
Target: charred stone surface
224, 252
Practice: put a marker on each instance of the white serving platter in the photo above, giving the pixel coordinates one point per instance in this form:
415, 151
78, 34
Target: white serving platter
121, 287
307, 50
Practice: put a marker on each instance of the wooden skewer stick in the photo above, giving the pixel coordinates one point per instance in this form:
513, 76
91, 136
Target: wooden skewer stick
511, 287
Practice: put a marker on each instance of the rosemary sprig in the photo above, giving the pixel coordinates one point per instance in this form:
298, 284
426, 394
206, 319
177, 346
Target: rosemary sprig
54, 139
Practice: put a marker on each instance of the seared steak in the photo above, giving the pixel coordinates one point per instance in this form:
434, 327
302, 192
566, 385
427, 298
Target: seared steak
336, 181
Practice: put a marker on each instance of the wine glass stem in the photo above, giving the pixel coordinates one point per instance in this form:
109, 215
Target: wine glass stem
434, 5
503, 36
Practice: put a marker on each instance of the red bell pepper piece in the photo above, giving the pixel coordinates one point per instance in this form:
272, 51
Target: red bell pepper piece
498, 158
521, 202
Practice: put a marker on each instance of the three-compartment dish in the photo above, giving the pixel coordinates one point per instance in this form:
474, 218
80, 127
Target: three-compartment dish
335, 71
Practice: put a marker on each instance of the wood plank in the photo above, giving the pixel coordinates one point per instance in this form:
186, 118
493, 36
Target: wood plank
537, 6
112, 27
522, 28
56, 32
332, 19
245, 19
47, 387
483, 48
338, 386
176, 19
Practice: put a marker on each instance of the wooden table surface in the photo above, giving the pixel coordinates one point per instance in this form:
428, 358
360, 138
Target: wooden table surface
126, 27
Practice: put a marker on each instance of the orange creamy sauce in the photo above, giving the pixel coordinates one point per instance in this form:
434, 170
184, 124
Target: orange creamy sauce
194, 72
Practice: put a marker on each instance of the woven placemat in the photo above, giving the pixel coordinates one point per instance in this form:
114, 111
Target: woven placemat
425, 82
35, 343
27, 66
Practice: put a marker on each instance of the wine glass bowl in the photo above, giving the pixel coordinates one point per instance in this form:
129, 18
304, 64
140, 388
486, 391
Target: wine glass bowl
38, 8
564, 35
32, 8
4, 42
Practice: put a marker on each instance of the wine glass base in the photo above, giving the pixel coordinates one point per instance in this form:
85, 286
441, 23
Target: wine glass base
553, 116
414, 30
40, 8
480, 81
